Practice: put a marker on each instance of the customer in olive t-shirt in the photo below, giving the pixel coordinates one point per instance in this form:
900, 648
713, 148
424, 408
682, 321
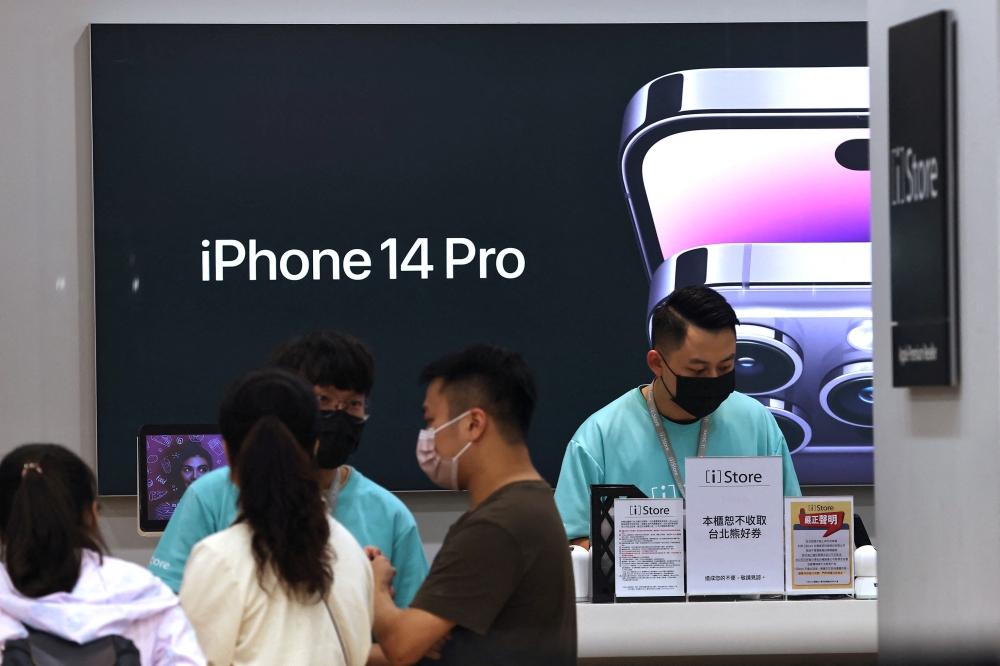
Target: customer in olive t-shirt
500, 591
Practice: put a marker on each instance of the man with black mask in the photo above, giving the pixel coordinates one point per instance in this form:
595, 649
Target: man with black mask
341, 370
690, 409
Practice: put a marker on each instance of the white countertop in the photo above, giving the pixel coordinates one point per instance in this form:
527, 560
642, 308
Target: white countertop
795, 626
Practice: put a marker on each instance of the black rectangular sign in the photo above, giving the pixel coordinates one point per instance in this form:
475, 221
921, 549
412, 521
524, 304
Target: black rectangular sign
922, 212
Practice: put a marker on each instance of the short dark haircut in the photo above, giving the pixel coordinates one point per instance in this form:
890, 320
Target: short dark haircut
495, 379
328, 358
268, 392
702, 307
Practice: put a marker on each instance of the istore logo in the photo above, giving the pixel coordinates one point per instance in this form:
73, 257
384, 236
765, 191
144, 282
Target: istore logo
729, 476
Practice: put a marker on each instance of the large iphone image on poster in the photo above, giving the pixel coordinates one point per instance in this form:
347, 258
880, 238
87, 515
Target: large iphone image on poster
755, 182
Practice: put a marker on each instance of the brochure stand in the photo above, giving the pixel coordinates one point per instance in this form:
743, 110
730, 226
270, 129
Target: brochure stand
602, 537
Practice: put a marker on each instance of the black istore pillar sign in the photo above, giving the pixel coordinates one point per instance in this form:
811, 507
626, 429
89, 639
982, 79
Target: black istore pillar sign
922, 211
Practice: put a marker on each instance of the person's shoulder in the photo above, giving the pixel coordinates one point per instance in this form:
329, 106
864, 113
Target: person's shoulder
627, 403
749, 416
227, 553
345, 545
113, 579
369, 491
396, 514
234, 539
129, 573
628, 406
216, 482
741, 406
515, 503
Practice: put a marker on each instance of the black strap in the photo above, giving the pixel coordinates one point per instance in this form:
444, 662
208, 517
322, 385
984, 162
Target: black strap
45, 649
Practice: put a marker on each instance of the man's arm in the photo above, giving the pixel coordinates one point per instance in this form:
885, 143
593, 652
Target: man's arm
405, 636
579, 470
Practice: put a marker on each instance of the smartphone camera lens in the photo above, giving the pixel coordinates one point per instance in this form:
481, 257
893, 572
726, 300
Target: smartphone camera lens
847, 394
792, 421
767, 360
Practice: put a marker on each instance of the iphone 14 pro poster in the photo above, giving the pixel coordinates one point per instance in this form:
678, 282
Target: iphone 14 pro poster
427, 186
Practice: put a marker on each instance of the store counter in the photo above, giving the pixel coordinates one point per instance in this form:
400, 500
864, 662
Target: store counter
704, 628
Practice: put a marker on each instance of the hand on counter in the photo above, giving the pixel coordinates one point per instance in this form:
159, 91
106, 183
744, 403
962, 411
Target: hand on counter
582, 542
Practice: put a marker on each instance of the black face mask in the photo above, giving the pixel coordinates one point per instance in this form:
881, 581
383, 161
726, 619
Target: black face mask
700, 396
339, 436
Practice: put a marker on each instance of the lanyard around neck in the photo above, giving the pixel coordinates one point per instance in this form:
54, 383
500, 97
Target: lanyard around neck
333, 494
668, 450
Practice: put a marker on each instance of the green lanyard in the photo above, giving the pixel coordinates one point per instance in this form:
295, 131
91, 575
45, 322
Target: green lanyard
668, 450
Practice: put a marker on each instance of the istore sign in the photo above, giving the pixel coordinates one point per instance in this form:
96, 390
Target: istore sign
735, 525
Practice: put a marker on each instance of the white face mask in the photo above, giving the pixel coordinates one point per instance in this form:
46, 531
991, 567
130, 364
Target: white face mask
442, 471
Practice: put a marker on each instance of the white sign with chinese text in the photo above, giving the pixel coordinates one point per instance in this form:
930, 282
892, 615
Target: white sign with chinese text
735, 526
819, 545
649, 547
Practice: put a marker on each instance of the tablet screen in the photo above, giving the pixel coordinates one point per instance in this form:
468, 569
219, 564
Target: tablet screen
174, 460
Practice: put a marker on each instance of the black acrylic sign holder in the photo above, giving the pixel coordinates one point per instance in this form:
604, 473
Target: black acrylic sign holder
602, 538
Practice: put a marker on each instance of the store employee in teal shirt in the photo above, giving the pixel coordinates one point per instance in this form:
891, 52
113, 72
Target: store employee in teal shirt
693, 399
342, 371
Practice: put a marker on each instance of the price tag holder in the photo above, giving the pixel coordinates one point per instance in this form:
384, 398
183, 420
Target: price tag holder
735, 525
649, 548
819, 545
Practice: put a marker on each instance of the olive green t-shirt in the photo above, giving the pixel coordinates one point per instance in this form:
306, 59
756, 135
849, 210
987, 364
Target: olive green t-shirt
504, 577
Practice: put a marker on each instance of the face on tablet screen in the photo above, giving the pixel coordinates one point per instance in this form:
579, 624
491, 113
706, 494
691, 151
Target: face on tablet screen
173, 463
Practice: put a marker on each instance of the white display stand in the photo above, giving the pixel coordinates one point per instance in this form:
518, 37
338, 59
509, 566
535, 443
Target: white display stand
848, 626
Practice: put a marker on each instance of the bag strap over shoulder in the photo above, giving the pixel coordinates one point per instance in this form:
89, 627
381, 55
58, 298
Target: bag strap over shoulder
336, 629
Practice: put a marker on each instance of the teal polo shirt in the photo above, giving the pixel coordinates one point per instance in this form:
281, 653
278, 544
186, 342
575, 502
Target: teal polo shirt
373, 515
618, 444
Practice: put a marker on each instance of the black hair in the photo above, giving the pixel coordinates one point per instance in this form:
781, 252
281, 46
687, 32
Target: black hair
268, 420
497, 380
270, 391
328, 358
46, 495
188, 450
701, 307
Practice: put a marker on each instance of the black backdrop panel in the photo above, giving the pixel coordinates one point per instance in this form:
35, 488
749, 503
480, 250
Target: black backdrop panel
343, 136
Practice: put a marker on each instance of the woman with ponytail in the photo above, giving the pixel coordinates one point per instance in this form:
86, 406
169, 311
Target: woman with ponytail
55, 578
286, 583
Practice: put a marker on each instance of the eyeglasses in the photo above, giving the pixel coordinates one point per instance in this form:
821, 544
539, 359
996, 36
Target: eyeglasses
352, 407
